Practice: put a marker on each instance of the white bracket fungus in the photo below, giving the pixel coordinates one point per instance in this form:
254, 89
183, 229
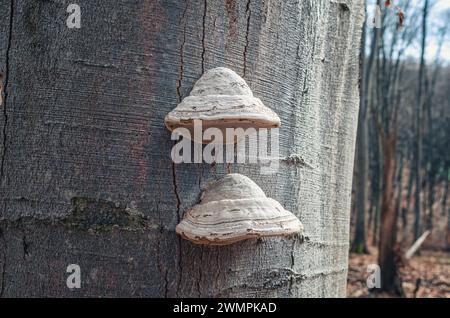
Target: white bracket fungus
221, 99
233, 209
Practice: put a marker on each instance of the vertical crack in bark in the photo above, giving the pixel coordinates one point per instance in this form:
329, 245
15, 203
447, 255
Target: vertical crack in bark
203, 36
247, 31
175, 187
199, 280
291, 282
4, 141
200, 177
305, 87
177, 196
25, 247
183, 43
5, 113
2, 287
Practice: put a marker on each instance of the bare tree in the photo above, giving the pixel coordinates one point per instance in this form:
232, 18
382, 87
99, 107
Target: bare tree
430, 89
359, 244
389, 74
419, 126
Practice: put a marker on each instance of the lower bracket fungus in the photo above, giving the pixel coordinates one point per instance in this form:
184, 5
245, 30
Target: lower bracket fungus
233, 209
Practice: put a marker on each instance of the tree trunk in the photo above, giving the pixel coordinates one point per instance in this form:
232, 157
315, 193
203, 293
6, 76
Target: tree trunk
405, 210
398, 199
430, 200
371, 208
379, 189
419, 128
359, 244
445, 195
388, 228
86, 177
411, 180
447, 239
446, 210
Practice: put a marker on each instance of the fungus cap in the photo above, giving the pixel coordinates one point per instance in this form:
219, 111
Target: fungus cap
233, 209
221, 99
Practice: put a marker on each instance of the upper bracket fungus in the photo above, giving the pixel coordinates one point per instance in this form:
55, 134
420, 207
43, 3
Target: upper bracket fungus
233, 209
221, 99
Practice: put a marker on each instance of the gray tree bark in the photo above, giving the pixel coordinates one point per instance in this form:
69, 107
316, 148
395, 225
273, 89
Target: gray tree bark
86, 175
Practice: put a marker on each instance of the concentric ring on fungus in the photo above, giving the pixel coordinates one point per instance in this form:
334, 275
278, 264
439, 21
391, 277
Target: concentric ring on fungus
221, 99
233, 209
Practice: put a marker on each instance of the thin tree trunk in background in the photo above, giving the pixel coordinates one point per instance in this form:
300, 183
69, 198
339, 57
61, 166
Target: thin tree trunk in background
379, 194
386, 122
404, 213
359, 244
387, 257
430, 89
376, 97
448, 230
411, 180
430, 199
447, 237
406, 210
86, 177
371, 208
444, 196
399, 185
419, 128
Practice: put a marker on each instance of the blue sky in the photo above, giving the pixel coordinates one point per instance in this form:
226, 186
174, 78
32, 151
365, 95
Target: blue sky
437, 17
439, 13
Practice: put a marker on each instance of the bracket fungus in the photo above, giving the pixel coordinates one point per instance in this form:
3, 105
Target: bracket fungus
221, 99
233, 209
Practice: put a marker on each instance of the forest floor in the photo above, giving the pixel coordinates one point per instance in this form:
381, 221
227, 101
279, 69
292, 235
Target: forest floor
423, 276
